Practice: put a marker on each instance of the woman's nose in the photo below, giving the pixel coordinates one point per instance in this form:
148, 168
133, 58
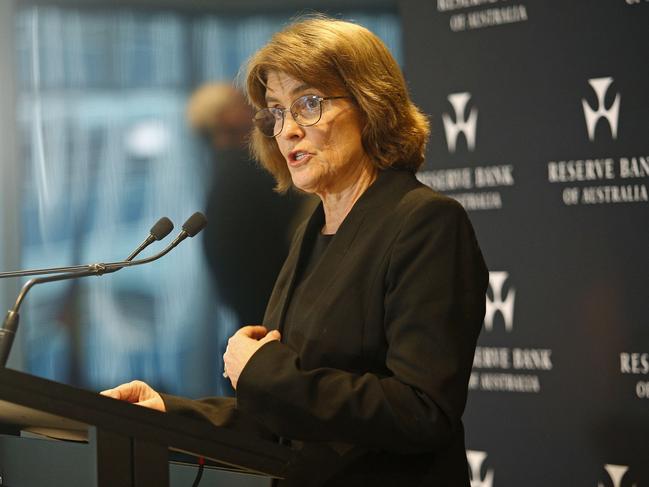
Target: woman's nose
291, 128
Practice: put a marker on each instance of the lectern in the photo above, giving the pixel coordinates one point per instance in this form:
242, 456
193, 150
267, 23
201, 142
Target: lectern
108, 443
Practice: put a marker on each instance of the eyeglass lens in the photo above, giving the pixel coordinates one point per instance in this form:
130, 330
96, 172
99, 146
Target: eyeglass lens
305, 110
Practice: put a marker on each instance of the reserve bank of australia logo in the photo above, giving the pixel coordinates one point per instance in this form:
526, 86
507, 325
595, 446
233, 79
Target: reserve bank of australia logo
476, 459
499, 303
593, 115
466, 126
616, 473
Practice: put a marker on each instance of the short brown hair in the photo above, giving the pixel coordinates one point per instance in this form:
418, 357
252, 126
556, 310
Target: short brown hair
333, 55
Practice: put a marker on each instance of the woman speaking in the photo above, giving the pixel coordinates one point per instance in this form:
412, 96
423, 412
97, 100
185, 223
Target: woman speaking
364, 354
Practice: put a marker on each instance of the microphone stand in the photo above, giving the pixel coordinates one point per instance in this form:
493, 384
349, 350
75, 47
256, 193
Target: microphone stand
194, 225
10, 325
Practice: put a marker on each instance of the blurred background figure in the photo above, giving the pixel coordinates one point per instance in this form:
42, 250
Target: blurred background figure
219, 112
250, 225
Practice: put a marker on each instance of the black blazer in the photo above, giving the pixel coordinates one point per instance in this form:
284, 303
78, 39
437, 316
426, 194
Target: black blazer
372, 384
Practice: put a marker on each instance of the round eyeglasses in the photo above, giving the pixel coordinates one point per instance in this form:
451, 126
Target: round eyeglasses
306, 111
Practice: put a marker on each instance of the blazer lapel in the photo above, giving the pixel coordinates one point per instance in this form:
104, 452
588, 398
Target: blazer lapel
294, 259
324, 274
331, 263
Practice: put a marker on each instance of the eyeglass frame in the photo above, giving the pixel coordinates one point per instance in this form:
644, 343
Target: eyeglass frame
284, 110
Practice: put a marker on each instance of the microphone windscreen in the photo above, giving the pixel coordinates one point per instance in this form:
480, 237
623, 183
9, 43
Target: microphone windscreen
195, 224
162, 228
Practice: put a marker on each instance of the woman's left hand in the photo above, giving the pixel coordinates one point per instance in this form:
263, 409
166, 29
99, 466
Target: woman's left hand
242, 345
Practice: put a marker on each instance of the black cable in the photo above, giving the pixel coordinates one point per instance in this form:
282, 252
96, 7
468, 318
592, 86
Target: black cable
199, 474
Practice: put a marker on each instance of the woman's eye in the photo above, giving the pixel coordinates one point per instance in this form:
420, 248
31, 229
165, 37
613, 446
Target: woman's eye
311, 104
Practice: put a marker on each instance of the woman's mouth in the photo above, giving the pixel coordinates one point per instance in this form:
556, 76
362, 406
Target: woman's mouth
298, 157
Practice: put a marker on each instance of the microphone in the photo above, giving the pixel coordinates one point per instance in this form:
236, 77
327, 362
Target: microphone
160, 230
192, 226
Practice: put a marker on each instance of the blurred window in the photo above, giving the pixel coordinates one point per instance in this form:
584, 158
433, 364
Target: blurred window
105, 153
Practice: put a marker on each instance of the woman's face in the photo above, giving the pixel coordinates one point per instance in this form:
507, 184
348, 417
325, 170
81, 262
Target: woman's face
324, 158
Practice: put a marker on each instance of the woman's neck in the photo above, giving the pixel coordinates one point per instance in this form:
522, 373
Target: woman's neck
338, 205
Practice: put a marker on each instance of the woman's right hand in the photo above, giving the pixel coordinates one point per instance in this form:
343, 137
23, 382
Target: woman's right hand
137, 392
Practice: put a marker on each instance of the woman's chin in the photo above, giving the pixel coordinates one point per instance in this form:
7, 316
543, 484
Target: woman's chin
306, 184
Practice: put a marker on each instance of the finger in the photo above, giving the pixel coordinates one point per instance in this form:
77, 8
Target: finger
131, 391
116, 392
271, 336
110, 393
253, 331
